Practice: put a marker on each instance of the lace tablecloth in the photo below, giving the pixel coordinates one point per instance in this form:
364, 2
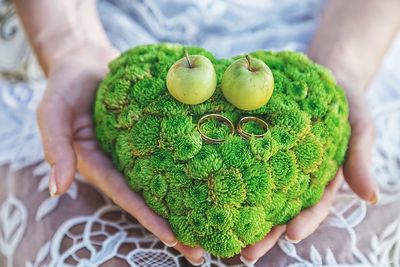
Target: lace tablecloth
84, 228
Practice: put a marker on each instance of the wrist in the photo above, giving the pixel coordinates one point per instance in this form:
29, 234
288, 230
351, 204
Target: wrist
55, 28
344, 68
83, 56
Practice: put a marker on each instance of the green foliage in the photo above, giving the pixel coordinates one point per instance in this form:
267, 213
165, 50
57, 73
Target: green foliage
221, 242
283, 138
147, 90
284, 169
205, 162
227, 188
223, 196
159, 186
220, 218
155, 203
183, 230
165, 105
309, 154
263, 148
176, 201
235, 152
259, 183
128, 116
124, 151
144, 135
253, 127
249, 224
186, 147
295, 121
215, 129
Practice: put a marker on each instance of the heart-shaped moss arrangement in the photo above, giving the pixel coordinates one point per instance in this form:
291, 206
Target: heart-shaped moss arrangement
228, 195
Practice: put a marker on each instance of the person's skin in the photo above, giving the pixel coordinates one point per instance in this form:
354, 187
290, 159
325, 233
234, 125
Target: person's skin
73, 50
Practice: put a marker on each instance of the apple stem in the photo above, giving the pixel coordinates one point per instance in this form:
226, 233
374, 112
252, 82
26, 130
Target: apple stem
188, 59
248, 61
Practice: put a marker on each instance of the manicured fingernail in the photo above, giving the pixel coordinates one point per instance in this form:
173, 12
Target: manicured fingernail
247, 262
292, 240
52, 182
375, 198
196, 263
169, 244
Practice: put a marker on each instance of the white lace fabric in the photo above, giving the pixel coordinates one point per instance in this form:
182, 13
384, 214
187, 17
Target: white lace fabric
84, 228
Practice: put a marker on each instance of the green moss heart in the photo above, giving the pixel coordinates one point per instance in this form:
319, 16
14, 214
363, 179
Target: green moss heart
222, 196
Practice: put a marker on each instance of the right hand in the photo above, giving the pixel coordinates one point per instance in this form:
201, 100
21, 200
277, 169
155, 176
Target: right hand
68, 136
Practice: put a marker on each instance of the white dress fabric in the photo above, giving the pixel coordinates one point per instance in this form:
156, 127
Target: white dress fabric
84, 228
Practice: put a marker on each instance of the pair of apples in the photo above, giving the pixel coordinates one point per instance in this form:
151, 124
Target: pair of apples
247, 83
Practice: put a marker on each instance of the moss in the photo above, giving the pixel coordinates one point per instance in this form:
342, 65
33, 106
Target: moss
224, 196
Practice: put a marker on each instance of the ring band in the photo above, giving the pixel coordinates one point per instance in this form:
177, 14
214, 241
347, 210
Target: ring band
247, 135
218, 117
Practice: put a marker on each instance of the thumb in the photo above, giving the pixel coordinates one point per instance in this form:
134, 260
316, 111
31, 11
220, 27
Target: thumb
54, 120
357, 168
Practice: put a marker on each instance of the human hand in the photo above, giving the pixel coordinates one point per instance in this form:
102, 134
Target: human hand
68, 136
356, 173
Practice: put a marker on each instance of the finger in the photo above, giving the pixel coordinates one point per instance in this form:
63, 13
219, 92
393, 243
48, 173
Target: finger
54, 120
357, 169
309, 219
99, 170
194, 255
252, 253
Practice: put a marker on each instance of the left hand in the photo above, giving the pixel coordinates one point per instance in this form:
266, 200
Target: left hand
356, 173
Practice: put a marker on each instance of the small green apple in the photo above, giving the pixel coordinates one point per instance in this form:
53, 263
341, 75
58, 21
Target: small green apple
192, 79
248, 83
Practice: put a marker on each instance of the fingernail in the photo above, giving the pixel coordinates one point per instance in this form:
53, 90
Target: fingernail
196, 263
292, 240
247, 262
52, 182
169, 244
375, 198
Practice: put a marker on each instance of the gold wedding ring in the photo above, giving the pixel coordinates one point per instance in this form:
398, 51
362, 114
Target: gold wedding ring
247, 135
218, 117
